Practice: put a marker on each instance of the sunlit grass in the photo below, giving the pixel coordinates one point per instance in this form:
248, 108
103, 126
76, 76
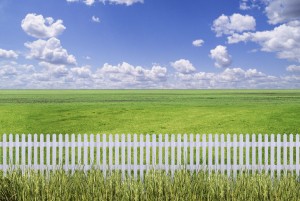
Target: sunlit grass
149, 111
156, 185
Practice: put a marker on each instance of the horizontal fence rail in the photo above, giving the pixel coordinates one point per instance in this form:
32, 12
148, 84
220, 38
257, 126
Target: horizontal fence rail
135, 154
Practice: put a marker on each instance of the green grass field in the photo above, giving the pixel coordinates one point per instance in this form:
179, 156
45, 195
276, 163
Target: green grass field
149, 111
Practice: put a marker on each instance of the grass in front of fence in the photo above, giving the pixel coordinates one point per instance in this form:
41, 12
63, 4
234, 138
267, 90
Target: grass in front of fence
149, 111
156, 186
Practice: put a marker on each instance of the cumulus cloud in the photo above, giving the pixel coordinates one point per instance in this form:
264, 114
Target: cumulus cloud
198, 42
8, 54
127, 76
221, 56
293, 69
50, 51
82, 72
128, 73
279, 11
54, 69
231, 24
231, 78
284, 40
183, 66
95, 19
40, 27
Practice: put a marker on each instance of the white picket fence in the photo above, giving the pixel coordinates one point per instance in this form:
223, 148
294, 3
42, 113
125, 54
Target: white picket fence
135, 154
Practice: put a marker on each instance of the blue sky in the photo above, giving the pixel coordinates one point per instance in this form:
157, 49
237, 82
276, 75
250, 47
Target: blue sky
149, 44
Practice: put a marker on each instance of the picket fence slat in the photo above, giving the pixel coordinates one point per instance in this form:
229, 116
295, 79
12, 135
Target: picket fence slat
133, 154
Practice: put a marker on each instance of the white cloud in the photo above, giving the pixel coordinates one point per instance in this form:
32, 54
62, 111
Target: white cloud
279, 11
82, 72
40, 27
7, 71
198, 42
250, 4
221, 56
54, 69
126, 2
49, 51
284, 40
244, 5
231, 78
87, 2
95, 19
125, 75
183, 66
231, 24
293, 69
8, 54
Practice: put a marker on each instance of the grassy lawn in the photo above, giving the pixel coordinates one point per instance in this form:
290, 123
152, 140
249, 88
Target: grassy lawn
149, 111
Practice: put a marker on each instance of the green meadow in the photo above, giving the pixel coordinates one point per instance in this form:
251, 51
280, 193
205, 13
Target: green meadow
149, 111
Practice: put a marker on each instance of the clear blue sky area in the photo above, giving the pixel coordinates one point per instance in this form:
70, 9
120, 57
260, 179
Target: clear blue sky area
149, 44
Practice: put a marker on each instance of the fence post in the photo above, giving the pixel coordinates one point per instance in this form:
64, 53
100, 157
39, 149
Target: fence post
272, 157
60, 150
291, 153
142, 157
167, 153
178, 162
204, 152
67, 145
104, 155
172, 154
216, 152
10, 146
23, 153
92, 157
147, 152
73, 152
110, 152
116, 146
192, 167
234, 155
247, 144
123, 145
222, 168
267, 143
129, 155
279, 145
229, 145
285, 154
160, 151
197, 152
210, 156
297, 145
153, 151
53, 143
42, 153
135, 156
85, 152
260, 163
36, 144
